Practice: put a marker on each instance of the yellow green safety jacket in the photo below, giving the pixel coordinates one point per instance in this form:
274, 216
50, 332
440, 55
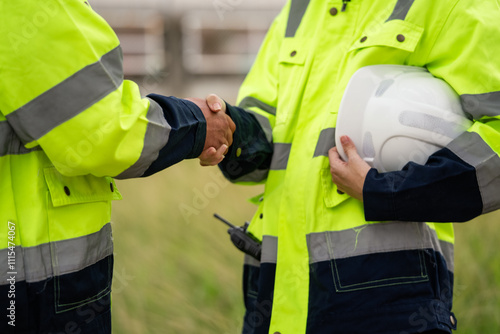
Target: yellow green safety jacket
68, 123
331, 263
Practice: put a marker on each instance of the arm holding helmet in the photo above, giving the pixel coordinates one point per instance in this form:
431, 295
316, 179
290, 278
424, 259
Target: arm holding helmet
462, 180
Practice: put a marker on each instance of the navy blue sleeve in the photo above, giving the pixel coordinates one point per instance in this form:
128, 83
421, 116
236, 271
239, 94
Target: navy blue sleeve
187, 135
445, 189
250, 151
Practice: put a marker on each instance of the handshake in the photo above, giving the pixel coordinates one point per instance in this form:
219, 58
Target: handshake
220, 129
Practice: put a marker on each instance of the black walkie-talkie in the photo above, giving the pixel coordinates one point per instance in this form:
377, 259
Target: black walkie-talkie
243, 240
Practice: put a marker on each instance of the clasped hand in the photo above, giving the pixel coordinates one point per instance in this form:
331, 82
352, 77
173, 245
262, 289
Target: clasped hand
220, 129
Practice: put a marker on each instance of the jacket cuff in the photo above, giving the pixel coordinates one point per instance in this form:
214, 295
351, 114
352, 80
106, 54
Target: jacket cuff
187, 134
200, 132
378, 197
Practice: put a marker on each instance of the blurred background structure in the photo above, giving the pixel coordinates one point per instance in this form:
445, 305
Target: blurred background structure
189, 46
175, 268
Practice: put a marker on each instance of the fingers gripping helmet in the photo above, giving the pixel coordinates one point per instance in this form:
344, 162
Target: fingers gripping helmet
395, 114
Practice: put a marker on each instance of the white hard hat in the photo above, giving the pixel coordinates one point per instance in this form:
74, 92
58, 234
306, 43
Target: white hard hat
395, 114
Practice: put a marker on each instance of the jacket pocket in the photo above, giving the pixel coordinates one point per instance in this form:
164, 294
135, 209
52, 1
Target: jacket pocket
387, 43
81, 247
331, 195
89, 286
66, 190
377, 255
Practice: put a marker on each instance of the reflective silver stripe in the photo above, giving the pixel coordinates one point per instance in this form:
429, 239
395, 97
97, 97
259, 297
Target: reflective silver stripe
250, 261
264, 124
325, 142
255, 176
480, 105
250, 101
297, 11
10, 143
69, 98
374, 238
35, 264
448, 253
280, 156
269, 249
157, 133
472, 149
401, 10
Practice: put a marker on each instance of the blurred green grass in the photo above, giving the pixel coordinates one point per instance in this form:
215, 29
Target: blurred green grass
177, 272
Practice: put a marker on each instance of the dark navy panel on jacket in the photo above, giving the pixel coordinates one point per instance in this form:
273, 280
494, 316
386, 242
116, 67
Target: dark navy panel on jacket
258, 286
73, 303
187, 124
382, 293
404, 195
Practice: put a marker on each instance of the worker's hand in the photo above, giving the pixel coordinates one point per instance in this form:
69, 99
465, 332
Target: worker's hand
215, 103
348, 176
220, 129
212, 156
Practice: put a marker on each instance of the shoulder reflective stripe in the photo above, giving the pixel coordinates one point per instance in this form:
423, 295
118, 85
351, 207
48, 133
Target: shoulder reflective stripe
69, 98
157, 133
401, 9
280, 156
297, 11
257, 175
325, 142
250, 261
10, 143
374, 238
269, 249
472, 149
34, 264
251, 101
480, 105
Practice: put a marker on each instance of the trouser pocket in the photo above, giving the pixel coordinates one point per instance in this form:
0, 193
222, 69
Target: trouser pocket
84, 287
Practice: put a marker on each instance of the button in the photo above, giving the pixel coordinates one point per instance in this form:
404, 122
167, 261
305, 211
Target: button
452, 319
111, 187
293, 54
340, 192
238, 152
362, 40
400, 38
277, 333
333, 11
261, 216
66, 190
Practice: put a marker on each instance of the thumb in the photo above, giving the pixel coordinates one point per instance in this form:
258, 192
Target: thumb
215, 103
348, 146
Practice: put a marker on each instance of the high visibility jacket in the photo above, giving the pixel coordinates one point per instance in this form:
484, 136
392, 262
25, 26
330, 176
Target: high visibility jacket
331, 263
68, 123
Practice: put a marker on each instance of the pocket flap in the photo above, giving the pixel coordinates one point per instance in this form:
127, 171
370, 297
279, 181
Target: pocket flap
66, 190
395, 34
331, 196
293, 51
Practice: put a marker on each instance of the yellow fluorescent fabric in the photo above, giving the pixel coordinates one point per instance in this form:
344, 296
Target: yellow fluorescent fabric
26, 51
84, 123
304, 77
